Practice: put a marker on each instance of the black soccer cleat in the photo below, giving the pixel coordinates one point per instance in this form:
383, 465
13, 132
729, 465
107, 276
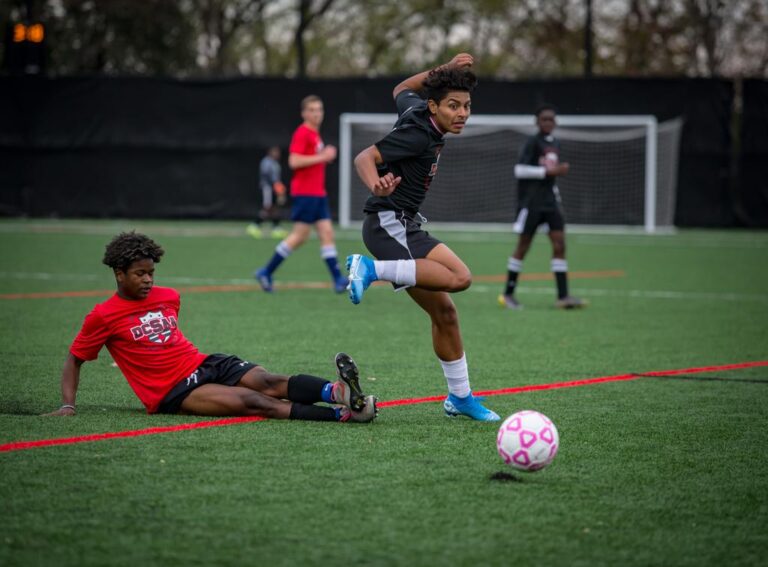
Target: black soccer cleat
349, 375
570, 302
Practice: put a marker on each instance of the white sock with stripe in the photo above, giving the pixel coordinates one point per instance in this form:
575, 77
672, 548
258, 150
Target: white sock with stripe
457, 376
283, 249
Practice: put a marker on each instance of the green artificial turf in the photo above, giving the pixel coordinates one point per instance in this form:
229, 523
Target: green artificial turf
666, 470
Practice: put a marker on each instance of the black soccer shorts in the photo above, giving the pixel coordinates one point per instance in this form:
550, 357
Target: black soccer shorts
528, 220
394, 235
215, 369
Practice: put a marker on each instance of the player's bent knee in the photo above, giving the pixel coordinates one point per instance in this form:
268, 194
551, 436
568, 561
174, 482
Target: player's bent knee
461, 281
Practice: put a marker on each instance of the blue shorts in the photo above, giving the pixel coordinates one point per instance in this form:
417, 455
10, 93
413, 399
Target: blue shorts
310, 209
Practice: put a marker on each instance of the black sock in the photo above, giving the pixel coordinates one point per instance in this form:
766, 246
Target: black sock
305, 389
511, 282
312, 413
514, 267
562, 284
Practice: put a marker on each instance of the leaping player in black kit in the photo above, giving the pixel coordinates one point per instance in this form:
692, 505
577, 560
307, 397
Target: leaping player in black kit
539, 202
398, 170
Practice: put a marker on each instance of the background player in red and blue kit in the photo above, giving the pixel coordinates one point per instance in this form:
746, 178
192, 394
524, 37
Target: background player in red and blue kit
139, 325
539, 202
398, 170
307, 157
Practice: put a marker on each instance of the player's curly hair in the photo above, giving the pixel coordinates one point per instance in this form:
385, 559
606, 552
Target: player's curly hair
544, 106
129, 247
443, 80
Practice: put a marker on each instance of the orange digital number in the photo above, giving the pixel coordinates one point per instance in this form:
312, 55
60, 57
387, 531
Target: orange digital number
19, 33
36, 33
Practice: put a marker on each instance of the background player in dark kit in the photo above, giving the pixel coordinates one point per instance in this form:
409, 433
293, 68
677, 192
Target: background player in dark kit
539, 202
273, 196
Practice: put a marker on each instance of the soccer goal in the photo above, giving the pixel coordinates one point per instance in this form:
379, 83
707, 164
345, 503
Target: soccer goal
623, 173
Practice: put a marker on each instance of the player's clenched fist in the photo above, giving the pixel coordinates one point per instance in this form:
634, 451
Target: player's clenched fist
329, 153
385, 185
462, 60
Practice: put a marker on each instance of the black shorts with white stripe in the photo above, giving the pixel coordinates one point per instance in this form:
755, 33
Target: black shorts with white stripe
528, 220
395, 235
216, 369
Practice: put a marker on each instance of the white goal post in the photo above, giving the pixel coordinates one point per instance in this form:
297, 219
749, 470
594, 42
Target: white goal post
623, 171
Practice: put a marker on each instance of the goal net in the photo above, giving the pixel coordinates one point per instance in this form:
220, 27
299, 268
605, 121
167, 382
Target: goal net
623, 172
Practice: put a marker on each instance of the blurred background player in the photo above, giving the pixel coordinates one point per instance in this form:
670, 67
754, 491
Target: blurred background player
398, 170
539, 202
307, 158
139, 325
272, 196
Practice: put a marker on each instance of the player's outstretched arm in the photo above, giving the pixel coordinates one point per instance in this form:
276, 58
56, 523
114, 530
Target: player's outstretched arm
70, 378
365, 164
299, 161
415, 82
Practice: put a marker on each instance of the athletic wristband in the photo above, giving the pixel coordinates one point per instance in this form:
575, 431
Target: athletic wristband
70, 406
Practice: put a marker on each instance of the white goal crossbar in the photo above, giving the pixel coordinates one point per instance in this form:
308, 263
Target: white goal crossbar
647, 123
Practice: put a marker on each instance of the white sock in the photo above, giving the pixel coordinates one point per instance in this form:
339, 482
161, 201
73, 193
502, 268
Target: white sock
328, 251
283, 249
457, 376
514, 265
559, 265
401, 272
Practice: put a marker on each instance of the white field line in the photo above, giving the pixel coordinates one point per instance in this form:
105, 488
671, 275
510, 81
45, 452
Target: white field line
748, 240
109, 280
634, 293
476, 288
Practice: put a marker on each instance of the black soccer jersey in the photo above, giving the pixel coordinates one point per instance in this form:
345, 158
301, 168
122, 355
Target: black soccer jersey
538, 193
411, 151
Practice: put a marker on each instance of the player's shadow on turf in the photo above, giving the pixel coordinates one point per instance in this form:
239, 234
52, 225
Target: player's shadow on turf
504, 477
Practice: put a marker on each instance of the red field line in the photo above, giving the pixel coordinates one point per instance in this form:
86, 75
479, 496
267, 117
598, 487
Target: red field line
21, 445
290, 285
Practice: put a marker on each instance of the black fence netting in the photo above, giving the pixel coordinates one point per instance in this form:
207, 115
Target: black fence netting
164, 148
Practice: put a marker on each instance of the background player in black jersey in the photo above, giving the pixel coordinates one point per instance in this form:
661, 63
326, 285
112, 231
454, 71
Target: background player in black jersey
539, 202
398, 170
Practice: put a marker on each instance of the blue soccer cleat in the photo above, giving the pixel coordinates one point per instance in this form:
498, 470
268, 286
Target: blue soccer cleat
264, 278
362, 274
470, 406
341, 285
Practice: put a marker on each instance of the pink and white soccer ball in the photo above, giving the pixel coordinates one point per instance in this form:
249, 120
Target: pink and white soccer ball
527, 440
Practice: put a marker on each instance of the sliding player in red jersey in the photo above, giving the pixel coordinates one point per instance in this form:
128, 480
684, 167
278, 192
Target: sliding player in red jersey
139, 325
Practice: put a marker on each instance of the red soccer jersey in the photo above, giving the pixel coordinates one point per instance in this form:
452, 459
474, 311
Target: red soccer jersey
307, 181
144, 339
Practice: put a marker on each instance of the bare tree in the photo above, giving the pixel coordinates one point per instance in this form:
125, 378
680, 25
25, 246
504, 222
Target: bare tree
220, 23
509, 38
306, 16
